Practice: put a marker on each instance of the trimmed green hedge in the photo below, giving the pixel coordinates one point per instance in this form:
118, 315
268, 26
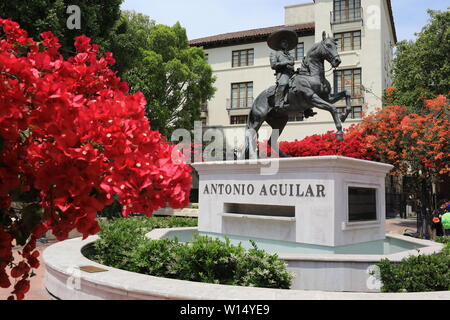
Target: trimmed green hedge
120, 238
123, 245
445, 240
418, 273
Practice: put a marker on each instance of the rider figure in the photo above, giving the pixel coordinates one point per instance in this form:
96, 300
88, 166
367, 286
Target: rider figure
282, 41
283, 64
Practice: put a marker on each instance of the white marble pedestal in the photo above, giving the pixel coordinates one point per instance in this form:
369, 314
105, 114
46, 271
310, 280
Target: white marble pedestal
329, 201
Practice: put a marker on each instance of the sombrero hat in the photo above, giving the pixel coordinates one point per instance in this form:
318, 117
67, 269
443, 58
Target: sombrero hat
274, 40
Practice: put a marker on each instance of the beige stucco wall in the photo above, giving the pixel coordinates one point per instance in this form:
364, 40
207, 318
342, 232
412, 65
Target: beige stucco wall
300, 13
388, 40
373, 58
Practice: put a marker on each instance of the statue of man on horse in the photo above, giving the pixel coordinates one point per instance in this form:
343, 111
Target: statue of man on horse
295, 91
282, 62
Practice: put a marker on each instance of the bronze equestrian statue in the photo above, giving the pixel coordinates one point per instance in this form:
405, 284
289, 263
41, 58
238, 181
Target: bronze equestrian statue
305, 89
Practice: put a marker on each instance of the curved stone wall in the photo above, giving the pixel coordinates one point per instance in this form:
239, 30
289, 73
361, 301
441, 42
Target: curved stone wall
64, 280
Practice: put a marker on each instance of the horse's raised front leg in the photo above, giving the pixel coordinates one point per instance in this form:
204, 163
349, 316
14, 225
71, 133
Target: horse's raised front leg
318, 102
348, 101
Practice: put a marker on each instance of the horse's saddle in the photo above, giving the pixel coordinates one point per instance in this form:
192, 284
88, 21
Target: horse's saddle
272, 90
271, 95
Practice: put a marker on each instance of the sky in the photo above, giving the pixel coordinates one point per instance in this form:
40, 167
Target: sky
203, 18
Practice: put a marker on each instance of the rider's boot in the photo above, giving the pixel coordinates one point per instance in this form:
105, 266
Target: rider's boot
309, 113
279, 97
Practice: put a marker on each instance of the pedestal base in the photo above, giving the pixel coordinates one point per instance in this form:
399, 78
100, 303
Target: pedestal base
329, 201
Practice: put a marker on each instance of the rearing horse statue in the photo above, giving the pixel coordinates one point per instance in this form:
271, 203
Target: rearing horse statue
308, 88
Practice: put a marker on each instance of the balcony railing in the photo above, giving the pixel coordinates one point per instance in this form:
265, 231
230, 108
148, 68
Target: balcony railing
346, 15
241, 103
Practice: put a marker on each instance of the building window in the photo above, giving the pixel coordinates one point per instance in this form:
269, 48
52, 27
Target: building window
241, 95
348, 40
299, 52
238, 119
356, 112
349, 80
242, 58
346, 11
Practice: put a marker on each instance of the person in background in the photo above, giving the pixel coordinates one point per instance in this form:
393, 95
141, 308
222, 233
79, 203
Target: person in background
436, 225
444, 216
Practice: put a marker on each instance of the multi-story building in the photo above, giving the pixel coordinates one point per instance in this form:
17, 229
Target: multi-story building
240, 61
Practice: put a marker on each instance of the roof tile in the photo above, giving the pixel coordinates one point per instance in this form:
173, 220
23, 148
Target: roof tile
230, 37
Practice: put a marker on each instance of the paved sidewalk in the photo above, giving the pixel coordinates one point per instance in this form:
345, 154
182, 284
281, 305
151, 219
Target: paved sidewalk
37, 290
400, 226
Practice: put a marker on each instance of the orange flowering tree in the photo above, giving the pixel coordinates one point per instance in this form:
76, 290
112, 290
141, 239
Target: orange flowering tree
417, 145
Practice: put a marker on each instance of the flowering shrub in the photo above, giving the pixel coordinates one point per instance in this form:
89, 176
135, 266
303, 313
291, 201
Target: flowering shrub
413, 143
390, 95
70, 130
417, 145
353, 146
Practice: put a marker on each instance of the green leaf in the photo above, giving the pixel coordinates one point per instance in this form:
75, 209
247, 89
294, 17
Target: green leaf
421, 68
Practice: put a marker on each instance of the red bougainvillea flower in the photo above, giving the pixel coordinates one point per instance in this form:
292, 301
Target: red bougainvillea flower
4, 278
353, 146
21, 269
21, 288
70, 131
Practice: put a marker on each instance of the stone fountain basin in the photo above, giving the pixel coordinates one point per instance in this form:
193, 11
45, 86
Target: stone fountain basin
64, 280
